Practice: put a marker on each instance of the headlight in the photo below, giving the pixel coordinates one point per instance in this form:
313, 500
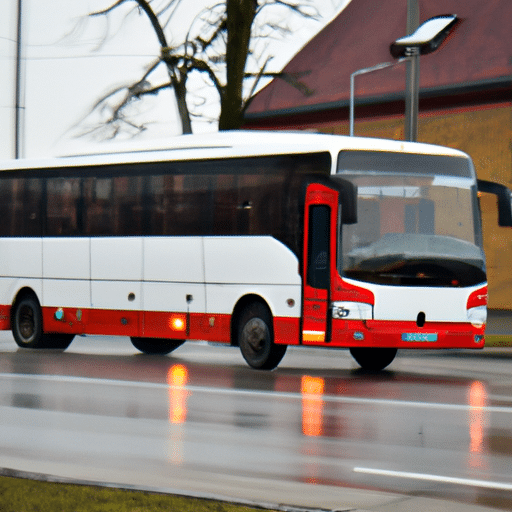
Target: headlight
352, 311
477, 316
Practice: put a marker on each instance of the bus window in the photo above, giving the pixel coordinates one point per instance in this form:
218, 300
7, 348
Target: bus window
98, 206
20, 207
62, 203
225, 199
129, 214
318, 267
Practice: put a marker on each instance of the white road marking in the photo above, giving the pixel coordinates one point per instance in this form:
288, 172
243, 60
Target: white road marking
436, 478
253, 392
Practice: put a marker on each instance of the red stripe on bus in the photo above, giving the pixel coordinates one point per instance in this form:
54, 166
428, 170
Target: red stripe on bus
5, 318
287, 330
154, 324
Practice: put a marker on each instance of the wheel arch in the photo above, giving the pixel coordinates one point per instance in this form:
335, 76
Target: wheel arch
237, 311
23, 292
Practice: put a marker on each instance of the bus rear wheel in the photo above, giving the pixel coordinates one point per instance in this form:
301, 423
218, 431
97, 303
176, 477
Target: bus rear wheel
373, 359
159, 346
58, 340
27, 324
256, 338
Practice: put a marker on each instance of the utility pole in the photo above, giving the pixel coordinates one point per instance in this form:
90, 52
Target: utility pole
18, 100
412, 76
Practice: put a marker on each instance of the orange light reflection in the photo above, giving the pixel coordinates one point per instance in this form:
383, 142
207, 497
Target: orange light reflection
312, 390
177, 378
477, 423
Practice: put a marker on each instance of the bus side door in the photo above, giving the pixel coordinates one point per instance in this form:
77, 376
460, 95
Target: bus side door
320, 211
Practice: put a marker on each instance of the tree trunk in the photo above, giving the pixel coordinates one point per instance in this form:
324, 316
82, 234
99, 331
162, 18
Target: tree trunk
239, 15
180, 92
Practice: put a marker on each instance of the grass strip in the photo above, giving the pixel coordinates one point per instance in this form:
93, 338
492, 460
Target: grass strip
24, 495
498, 340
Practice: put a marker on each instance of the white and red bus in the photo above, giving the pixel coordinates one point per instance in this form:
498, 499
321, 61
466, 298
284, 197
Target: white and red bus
259, 240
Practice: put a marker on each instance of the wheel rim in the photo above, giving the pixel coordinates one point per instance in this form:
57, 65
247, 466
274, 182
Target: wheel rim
26, 323
255, 334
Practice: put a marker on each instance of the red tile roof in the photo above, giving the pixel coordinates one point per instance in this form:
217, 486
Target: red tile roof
478, 51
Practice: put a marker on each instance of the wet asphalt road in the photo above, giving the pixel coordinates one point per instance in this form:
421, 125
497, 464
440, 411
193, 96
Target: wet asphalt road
315, 433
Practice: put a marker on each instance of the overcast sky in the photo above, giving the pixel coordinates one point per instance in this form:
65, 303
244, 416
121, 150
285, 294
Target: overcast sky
65, 72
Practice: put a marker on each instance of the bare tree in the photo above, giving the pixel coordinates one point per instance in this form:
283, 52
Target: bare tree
219, 44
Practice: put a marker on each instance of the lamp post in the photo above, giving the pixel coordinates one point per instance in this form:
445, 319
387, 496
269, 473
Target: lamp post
425, 39
412, 75
18, 94
363, 71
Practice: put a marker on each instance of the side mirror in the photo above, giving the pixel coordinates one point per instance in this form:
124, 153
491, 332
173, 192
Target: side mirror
504, 196
347, 191
348, 194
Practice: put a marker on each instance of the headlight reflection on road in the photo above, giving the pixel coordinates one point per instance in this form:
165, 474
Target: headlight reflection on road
177, 378
312, 390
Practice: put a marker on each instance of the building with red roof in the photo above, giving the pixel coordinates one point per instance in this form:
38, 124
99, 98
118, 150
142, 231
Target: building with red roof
473, 65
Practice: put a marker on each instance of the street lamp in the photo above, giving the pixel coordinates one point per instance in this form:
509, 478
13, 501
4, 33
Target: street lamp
352, 87
425, 39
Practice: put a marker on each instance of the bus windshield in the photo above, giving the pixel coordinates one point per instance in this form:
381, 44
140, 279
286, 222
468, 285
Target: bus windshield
417, 220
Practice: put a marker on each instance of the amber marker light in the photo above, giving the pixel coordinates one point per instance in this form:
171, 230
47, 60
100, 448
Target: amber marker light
178, 323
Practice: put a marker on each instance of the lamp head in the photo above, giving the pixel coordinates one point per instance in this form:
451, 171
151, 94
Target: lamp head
426, 38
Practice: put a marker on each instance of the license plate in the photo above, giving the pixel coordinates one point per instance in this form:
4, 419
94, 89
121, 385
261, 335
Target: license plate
427, 337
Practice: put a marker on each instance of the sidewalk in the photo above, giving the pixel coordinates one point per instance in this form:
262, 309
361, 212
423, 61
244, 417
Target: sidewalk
499, 321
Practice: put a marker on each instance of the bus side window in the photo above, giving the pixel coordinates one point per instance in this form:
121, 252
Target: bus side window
62, 202
318, 246
20, 207
98, 204
225, 202
129, 214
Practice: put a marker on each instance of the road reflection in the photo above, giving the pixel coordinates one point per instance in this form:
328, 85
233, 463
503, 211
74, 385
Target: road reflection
312, 389
177, 378
297, 423
478, 423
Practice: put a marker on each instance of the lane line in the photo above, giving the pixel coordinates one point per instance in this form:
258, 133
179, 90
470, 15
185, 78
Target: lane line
436, 478
254, 393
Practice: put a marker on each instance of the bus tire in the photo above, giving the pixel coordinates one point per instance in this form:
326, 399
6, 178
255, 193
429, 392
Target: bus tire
256, 338
27, 323
59, 340
373, 359
159, 346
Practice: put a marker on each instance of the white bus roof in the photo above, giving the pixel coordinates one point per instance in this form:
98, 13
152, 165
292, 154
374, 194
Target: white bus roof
228, 144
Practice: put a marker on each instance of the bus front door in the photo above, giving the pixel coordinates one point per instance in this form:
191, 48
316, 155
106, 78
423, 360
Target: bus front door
321, 210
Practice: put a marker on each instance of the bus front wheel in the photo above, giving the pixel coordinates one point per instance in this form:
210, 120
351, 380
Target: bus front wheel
256, 338
156, 345
373, 359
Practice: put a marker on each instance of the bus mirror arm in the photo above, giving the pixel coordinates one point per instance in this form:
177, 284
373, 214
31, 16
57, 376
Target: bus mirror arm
504, 196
